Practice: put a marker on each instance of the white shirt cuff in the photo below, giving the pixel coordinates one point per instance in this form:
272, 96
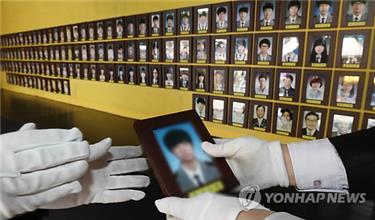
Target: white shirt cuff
318, 167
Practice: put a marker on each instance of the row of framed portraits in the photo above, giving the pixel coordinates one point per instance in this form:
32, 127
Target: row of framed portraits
290, 85
217, 18
283, 49
53, 85
290, 120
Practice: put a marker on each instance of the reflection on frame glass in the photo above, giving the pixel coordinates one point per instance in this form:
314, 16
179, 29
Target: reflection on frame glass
185, 21
315, 88
239, 81
221, 49
284, 119
184, 78
219, 80
241, 49
184, 49
222, 17
201, 49
202, 25
370, 123
290, 49
238, 112
342, 124
347, 89
352, 49
218, 109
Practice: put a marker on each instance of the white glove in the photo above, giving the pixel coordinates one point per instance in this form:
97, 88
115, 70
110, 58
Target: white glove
105, 183
40, 166
253, 161
206, 206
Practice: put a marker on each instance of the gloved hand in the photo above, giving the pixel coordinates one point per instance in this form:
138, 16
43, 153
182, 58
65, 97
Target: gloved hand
40, 166
253, 161
105, 181
206, 206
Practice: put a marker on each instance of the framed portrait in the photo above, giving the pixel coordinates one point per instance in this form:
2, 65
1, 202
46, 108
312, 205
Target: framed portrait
184, 48
131, 51
130, 26
119, 51
268, 14
291, 49
221, 17
109, 29
143, 76
85, 71
119, 27
202, 19
99, 30
101, 53
352, 51
201, 78
293, 14
373, 53
169, 50
131, 74
370, 97
260, 114
239, 78
347, 89
241, 46
142, 25
91, 49
320, 49
155, 76
110, 52
83, 31
201, 49
285, 119
244, 16
316, 87
76, 52
91, 31
169, 77
324, 14
185, 21
368, 121
142, 50
155, 24
120, 73
220, 49
92, 72
265, 51
218, 109
342, 122
219, 80
312, 123
111, 73
168, 141
102, 72
238, 112
155, 47
170, 20
287, 84
184, 77
200, 105
357, 13
55, 36
262, 83
62, 36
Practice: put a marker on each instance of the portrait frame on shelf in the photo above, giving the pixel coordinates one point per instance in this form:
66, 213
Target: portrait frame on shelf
130, 27
169, 53
184, 77
265, 49
120, 73
219, 80
201, 79
288, 21
242, 47
343, 80
143, 75
201, 55
169, 23
184, 51
314, 81
241, 81
368, 121
364, 17
109, 29
221, 17
131, 51
243, 14
142, 50
119, 51
155, 48
201, 105
340, 116
262, 81
357, 57
311, 123
111, 73
320, 49
285, 119
202, 19
185, 21
119, 27
156, 24
271, 10
155, 75
220, 113
131, 74
330, 10
142, 25
169, 77
220, 52
287, 56
370, 96
260, 116
110, 51
235, 108
291, 78
99, 27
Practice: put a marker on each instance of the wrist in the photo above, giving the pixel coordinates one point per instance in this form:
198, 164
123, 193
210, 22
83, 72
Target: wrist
288, 165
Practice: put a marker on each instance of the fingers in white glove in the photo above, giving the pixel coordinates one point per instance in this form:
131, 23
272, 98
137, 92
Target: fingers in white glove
222, 140
115, 196
27, 126
174, 206
39, 181
99, 149
129, 181
226, 149
124, 152
127, 166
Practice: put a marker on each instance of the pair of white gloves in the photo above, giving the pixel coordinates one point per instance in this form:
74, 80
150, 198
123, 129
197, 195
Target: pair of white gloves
56, 168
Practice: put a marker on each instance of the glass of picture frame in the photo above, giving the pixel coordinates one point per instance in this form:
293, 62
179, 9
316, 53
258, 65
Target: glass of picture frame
142, 50
320, 49
268, 14
353, 52
170, 20
368, 121
169, 77
357, 13
218, 109
238, 112
184, 77
241, 49
201, 78
293, 14
316, 87
244, 16
266, 48
142, 25
285, 119
342, 122
202, 19
156, 75
131, 74
291, 49
109, 29
119, 24
130, 22
169, 50
201, 50
119, 51
324, 14
239, 78
347, 90
131, 51
184, 48
287, 84
312, 123
221, 17
143, 76
370, 96
220, 49
219, 80
120, 73
156, 48
156, 23
201, 105
260, 116
185, 21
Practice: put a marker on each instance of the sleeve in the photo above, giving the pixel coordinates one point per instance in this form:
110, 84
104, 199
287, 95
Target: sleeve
282, 216
318, 167
357, 152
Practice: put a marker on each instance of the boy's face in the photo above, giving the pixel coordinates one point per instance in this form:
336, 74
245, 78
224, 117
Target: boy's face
311, 122
268, 13
184, 151
293, 11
